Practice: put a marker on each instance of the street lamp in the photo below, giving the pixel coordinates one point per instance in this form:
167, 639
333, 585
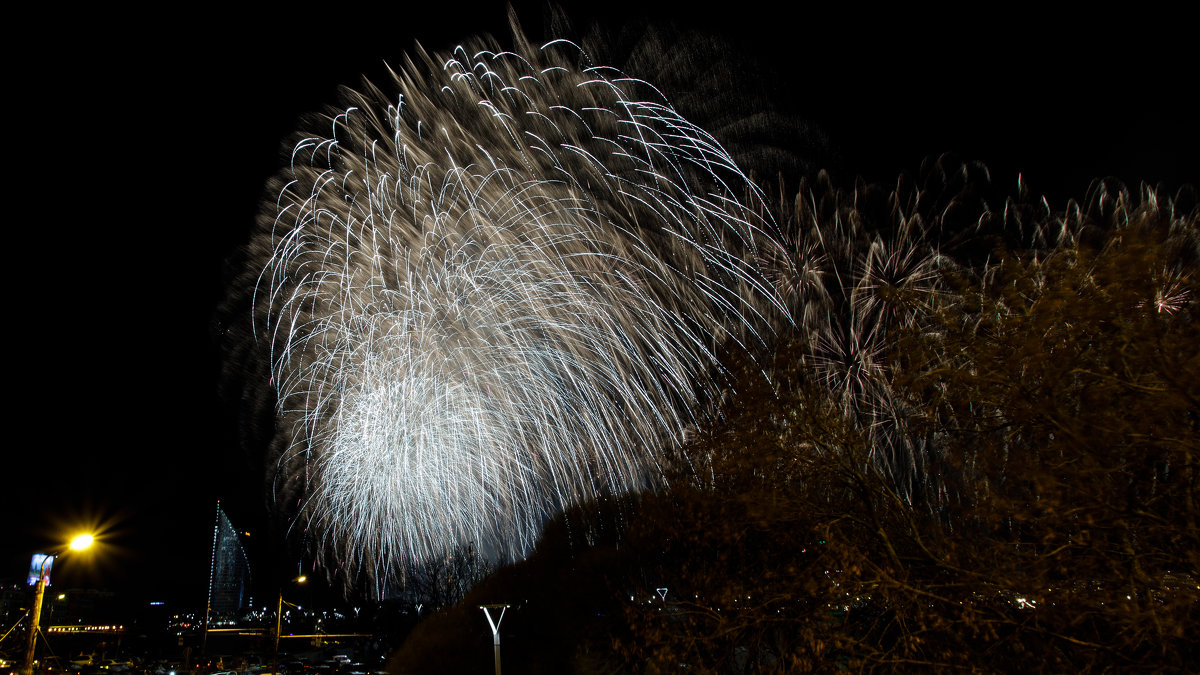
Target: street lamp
79, 543
278, 620
495, 624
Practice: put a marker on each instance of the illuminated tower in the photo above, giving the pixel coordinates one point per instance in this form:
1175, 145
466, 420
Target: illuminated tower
229, 578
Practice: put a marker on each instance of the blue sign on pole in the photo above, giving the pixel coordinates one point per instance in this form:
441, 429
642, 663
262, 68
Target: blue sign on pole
39, 566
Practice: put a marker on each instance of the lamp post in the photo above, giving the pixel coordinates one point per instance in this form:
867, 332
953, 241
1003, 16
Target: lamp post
495, 624
39, 592
278, 625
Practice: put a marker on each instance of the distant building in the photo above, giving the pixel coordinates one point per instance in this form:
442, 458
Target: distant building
14, 600
229, 581
80, 606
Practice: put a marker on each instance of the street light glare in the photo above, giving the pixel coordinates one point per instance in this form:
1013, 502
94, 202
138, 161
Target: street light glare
81, 542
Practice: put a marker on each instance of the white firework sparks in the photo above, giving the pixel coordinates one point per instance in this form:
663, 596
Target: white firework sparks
495, 294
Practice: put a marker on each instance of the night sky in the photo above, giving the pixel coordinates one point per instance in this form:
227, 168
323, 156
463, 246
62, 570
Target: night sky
138, 147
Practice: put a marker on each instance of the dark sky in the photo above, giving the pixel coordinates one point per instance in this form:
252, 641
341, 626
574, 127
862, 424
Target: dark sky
138, 147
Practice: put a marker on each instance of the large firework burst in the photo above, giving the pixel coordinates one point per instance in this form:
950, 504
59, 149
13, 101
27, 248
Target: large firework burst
492, 293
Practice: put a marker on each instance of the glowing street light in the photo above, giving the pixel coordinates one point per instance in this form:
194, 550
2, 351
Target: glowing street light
79, 543
278, 620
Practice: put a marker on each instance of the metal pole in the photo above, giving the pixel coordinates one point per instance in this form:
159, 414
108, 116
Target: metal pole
495, 629
497, 649
275, 651
35, 618
279, 624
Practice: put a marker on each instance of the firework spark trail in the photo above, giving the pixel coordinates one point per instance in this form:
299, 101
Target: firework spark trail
494, 295
856, 270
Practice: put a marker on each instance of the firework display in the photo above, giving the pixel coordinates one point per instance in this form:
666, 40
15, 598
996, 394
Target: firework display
490, 289
860, 267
